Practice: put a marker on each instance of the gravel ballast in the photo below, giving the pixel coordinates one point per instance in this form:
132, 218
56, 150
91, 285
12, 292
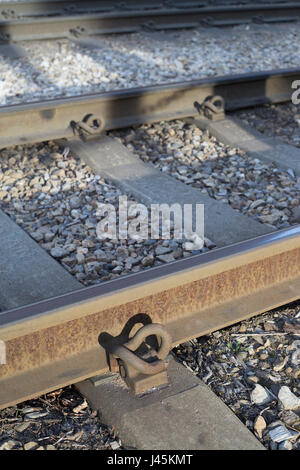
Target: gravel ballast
66, 68
60, 420
275, 120
55, 198
264, 192
254, 367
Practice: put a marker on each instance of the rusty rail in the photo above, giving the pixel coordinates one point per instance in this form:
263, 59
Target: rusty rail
56, 342
59, 118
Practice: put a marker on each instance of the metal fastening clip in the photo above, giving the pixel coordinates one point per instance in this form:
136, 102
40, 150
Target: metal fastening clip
149, 26
147, 368
9, 14
213, 108
90, 126
78, 31
4, 38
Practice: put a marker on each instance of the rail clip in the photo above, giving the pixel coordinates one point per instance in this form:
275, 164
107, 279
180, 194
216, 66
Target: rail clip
140, 361
90, 126
213, 108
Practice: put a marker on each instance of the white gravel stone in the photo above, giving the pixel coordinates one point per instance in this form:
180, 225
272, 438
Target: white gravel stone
260, 396
22, 427
36, 415
281, 433
8, 445
279, 365
295, 359
30, 445
114, 445
285, 445
58, 252
288, 399
166, 258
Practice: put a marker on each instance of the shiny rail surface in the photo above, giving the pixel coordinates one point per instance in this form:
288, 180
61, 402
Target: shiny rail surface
53, 19
55, 342
54, 119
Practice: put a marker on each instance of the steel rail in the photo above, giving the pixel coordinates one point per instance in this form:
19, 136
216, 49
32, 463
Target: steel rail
55, 342
32, 8
132, 19
54, 119
35, 8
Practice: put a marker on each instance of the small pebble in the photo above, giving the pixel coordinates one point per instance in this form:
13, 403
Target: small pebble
281, 433
287, 399
259, 395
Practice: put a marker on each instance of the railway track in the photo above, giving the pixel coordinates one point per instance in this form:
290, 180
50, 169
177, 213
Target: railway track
47, 20
81, 334
61, 118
